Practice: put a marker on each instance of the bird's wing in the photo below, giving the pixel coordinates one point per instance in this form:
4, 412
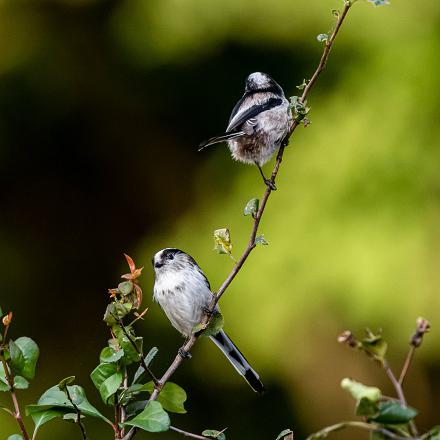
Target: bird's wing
240, 118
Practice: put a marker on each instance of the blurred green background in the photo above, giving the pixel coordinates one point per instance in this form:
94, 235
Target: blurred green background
102, 105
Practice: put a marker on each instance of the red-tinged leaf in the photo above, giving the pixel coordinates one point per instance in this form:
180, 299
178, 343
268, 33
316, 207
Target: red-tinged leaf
130, 262
138, 291
137, 272
7, 319
127, 276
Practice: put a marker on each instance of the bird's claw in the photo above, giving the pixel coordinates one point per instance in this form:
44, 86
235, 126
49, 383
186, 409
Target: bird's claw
270, 184
184, 354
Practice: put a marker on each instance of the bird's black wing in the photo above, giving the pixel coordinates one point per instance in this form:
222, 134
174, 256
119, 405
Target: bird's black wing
237, 121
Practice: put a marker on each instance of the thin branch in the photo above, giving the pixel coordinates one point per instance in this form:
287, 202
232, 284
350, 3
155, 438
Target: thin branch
251, 244
354, 424
187, 434
139, 352
78, 414
400, 394
407, 364
17, 413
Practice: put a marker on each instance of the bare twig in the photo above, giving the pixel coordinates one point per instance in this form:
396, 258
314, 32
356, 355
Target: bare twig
187, 434
257, 218
16, 413
407, 364
361, 425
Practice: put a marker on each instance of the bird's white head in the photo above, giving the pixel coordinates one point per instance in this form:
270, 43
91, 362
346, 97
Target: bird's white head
262, 82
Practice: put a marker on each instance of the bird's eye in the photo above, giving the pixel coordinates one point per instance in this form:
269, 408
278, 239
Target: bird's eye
170, 256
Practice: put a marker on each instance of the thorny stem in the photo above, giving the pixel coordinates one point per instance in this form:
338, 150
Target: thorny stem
78, 414
251, 244
17, 413
187, 434
361, 425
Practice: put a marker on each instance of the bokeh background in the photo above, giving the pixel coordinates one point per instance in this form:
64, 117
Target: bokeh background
102, 105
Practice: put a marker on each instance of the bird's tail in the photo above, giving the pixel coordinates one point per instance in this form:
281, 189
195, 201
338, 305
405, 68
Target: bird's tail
238, 361
222, 138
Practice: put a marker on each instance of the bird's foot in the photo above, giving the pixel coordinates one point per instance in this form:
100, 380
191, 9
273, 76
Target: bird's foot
207, 311
270, 184
184, 354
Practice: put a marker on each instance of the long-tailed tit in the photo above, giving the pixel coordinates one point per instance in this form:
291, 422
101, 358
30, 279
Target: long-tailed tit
184, 294
260, 122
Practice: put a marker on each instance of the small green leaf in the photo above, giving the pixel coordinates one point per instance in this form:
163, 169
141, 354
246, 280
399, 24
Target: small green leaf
222, 240
17, 357
303, 85
287, 433
260, 240
322, 38
360, 391
433, 434
101, 373
15, 437
172, 397
130, 354
152, 419
54, 398
20, 383
72, 417
215, 324
110, 386
115, 311
251, 207
365, 407
1, 312
212, 433
147, 361
392, 413
130, 393
126, 287
62, 385
375, 345
30, 352
42, 417
109, 355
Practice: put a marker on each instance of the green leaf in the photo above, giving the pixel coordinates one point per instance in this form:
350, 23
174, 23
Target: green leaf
172, 397
42, 417
366, 407
30, 352
115, 311
360, 391
284, 434
260, 240
212, 433
129, 393
222, 241
101, 373
72, 417
152, 419
62, 385
20, 383
375, 345
322, 38
17, 358
15, 437
392, 413
251, 207
110, 386
147, 360
433, 434
1, 312
130, 354
215, 324
125, 287
109, 355
54, 398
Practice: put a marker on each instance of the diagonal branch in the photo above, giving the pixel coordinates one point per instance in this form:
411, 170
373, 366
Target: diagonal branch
251, 243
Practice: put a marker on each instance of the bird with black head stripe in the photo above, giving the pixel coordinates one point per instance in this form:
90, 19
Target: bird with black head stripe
260, 122
184, 293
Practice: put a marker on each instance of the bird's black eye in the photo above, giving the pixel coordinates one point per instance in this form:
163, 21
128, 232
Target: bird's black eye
170, 256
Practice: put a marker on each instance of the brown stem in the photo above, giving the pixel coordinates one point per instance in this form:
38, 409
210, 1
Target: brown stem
407, 364
16, 413
78, 414
399, 390
187, 434
251, 243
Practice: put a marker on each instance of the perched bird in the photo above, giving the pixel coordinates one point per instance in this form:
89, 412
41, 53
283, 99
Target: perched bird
184, 293
260, 122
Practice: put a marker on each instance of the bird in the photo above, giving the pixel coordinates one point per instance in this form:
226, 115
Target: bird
183, 292
259, 123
